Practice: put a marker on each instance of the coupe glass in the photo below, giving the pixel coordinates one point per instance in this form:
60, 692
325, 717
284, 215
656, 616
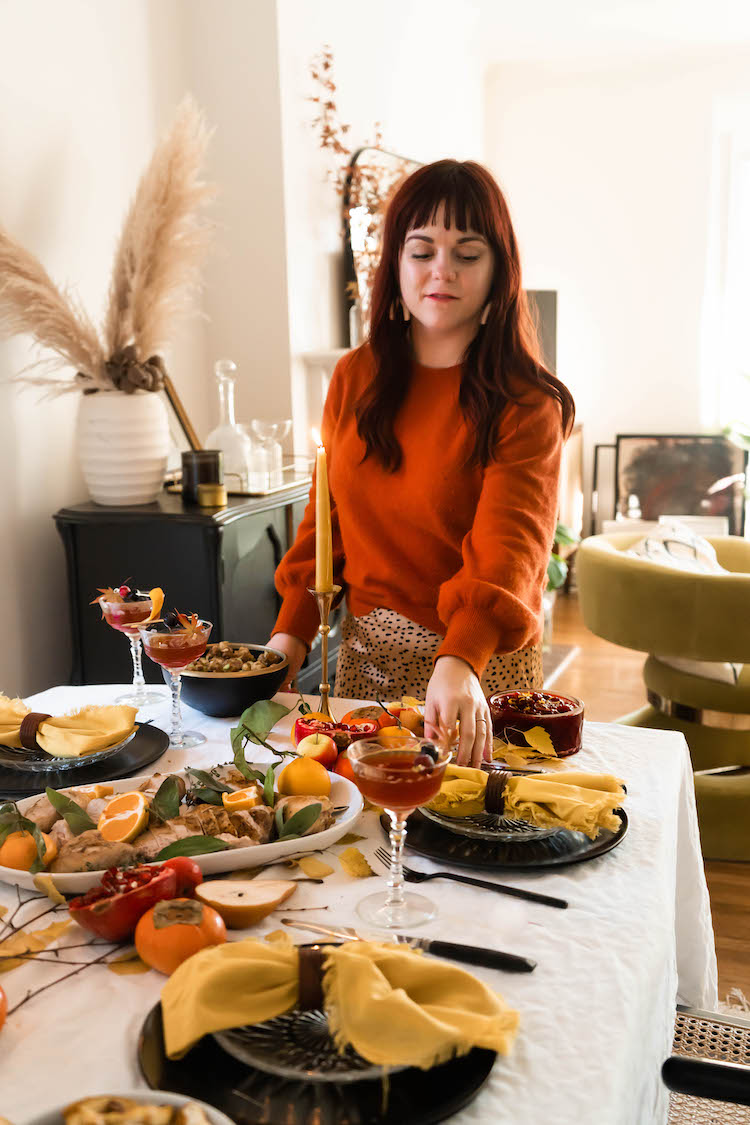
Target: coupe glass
400, 779
173, 650
125, 616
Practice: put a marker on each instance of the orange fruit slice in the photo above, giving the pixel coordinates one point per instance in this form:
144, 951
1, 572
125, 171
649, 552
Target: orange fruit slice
243, 798
124, 817
157, 601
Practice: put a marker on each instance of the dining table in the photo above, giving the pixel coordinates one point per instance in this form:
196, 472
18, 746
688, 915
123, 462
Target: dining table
596, 1014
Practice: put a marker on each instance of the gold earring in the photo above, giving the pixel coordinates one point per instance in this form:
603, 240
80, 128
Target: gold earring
405, 312
485, 314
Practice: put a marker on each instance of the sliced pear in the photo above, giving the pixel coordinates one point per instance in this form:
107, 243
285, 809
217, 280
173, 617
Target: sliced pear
244, 902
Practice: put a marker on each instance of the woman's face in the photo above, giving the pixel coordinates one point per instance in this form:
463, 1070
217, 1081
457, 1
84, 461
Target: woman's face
445, 276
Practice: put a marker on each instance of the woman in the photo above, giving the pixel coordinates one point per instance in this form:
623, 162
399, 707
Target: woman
444, 433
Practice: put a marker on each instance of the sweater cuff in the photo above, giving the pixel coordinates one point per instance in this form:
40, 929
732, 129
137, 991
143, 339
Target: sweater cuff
471, 635
298, 616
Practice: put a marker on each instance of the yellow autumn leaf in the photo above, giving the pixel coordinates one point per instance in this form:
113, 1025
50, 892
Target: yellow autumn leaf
314, 868
351, 838
46, 884
280, 936
540, 741
128, 963
27, 941
355, 864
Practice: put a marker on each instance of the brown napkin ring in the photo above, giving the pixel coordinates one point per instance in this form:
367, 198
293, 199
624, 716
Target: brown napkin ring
494, 794
29, 727
311, 979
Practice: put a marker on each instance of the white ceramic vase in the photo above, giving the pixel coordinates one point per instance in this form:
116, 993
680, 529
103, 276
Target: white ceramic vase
123, 443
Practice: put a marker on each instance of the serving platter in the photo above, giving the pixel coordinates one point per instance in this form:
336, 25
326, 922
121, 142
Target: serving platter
143, 1097
344, 794
38, 761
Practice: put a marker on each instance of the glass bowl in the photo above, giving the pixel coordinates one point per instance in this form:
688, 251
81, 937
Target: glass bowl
561, 716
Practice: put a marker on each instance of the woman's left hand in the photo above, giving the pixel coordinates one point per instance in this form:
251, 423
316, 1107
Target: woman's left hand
454, 694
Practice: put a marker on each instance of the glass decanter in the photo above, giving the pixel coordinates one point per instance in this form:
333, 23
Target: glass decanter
229, 436
268, 460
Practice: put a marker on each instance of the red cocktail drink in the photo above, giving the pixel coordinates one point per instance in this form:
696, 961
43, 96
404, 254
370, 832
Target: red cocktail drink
126, 616
399, 779
173, 643
561, 716
125, 609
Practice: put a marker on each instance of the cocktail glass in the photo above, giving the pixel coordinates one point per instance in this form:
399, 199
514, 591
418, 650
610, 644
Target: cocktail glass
125, 617
400, 779
173, 649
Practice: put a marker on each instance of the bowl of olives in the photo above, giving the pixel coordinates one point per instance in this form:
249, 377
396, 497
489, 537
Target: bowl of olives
231, 676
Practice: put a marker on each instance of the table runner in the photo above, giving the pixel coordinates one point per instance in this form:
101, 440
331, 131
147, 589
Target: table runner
596, 1015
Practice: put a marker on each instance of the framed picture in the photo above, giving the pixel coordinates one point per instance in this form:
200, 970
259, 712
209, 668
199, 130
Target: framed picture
680, 474
602, 487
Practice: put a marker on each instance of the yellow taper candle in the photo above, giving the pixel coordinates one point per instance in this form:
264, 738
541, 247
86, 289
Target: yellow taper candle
323, 543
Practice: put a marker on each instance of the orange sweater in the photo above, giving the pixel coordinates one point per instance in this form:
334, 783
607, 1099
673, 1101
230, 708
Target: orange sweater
461, 551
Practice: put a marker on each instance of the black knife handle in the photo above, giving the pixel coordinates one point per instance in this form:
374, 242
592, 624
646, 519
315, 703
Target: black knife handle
514, 892
478, 955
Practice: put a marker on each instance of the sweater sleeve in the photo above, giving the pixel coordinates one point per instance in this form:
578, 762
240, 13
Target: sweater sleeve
494, 603
295, 573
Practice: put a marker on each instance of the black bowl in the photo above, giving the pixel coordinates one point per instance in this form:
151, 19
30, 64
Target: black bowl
226, 694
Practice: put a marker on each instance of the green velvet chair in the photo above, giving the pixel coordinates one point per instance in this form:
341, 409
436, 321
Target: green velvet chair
670, 613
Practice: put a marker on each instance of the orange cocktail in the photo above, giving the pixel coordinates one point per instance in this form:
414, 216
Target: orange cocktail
399, 779
173, 643
124, 609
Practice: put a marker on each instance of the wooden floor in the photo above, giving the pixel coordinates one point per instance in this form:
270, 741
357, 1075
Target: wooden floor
608, 678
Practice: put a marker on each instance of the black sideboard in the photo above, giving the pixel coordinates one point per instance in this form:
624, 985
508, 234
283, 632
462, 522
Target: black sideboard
218, 562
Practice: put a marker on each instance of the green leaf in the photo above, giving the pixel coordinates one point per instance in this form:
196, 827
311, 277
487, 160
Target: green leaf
268, 781
76, 818
557, 570
209, 781
192, 845
279, 822
166, 801
207, 796
260, 719
298, 824
566, 535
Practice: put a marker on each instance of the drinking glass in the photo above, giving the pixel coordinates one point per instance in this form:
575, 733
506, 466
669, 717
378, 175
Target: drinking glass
270, 435
125, 616
400, 779
173, 650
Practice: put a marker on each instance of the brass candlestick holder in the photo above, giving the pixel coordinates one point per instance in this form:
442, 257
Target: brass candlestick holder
324, 600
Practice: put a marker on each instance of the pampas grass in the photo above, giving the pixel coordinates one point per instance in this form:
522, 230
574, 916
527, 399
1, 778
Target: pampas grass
154, 278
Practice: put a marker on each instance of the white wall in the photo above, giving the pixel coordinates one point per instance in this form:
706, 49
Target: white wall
86, 88
411, 66
608, 169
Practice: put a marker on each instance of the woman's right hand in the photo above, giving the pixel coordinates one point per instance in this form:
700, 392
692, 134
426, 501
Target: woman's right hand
295, 651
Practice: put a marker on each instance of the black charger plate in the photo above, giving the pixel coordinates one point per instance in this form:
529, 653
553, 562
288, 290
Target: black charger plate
254, 1097
148, 744
559, 850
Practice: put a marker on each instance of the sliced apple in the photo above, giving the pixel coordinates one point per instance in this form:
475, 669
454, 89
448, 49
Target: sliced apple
244, 902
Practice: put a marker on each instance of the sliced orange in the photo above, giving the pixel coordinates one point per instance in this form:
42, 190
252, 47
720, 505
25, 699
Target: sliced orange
124, 817
243, 798
157, 601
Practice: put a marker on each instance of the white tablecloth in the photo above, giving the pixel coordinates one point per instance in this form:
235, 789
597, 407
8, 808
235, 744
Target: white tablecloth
596, 1015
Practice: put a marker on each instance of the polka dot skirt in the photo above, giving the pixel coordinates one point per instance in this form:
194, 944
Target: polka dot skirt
384, 654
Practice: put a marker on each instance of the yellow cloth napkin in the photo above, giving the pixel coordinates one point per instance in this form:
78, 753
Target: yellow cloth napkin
70, 736
583, 802
392, 1005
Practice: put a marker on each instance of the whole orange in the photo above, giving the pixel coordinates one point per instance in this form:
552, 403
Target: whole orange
174, 930
18, 850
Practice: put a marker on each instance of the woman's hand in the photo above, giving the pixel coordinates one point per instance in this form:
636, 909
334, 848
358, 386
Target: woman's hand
455, 694
295, 651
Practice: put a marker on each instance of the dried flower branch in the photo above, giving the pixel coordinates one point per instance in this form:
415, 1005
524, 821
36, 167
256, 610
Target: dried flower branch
155, 276
371, 182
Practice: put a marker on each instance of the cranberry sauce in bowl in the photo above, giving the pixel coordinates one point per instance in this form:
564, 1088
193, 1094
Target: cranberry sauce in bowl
514, 712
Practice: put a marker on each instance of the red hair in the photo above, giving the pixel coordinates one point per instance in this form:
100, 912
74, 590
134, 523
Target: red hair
504, 352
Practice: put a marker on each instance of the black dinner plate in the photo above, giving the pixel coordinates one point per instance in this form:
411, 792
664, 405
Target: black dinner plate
255, 1097
559, 850
148, 744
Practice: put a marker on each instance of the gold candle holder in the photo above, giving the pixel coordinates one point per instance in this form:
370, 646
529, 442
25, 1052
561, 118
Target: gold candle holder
324, 600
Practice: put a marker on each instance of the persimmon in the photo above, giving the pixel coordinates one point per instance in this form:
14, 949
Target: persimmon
18, 850
174, 930
344, 767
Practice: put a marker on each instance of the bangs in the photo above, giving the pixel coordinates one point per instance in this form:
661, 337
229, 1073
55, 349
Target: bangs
452, 191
